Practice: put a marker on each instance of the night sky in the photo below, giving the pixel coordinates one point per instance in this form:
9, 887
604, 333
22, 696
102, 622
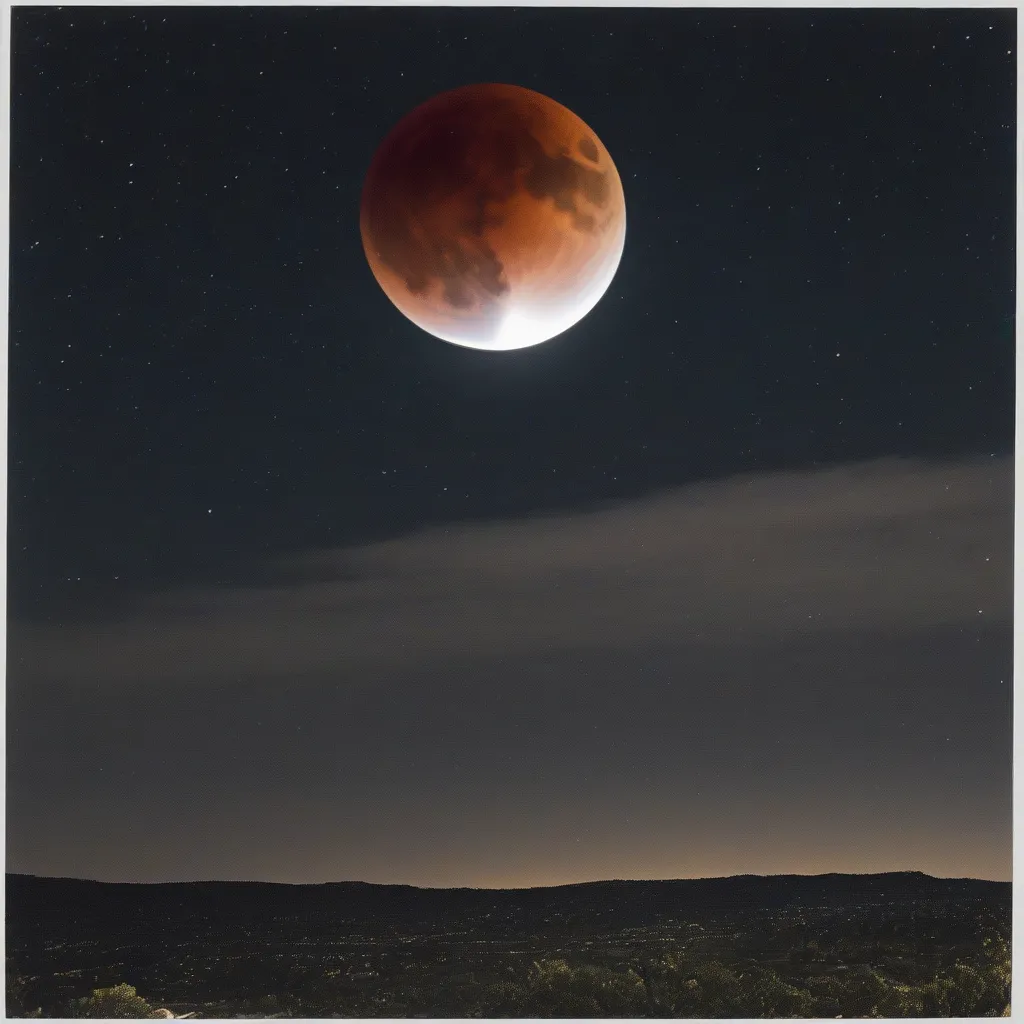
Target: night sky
718, 581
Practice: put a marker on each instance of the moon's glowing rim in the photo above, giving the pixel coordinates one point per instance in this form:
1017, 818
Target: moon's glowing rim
523, 325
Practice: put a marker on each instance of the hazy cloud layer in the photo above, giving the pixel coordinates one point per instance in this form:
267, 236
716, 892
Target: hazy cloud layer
889, 544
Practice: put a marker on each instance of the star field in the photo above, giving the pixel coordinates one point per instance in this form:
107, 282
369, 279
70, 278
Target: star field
252, 508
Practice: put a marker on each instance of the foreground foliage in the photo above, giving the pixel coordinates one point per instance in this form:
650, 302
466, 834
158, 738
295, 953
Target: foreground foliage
669, 987
674, 987
118, 1002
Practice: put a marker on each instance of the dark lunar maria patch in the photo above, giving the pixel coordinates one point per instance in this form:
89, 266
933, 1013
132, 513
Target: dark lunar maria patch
562, 180
588, 149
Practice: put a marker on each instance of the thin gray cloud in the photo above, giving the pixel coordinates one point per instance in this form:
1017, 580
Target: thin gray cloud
888, 544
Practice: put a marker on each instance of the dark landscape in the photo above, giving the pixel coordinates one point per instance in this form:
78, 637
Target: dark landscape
872, 945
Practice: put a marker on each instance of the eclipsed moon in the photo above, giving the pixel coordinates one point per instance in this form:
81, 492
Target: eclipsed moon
493, 217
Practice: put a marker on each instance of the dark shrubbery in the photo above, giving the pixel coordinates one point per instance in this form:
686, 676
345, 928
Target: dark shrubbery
681, 985
18, 993
120, 1001
674, 987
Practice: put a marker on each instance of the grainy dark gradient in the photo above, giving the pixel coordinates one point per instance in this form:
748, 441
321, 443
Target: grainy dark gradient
718, 581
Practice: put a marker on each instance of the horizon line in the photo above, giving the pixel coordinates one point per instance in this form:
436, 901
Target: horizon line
516, 888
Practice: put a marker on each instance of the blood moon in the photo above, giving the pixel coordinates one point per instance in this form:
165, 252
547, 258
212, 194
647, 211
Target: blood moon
493, 217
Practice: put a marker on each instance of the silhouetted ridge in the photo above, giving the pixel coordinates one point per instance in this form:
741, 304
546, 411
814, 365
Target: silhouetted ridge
31, 899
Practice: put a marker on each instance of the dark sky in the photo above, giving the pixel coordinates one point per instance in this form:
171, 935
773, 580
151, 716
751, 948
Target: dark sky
718, 581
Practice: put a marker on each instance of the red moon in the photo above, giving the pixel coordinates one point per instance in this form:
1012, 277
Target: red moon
493, 217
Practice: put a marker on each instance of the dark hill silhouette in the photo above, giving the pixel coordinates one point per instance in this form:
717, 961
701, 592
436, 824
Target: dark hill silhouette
359, 949
31, 899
